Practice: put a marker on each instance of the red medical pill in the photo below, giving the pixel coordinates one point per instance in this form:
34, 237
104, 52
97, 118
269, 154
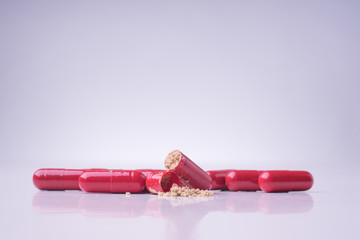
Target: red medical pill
161, 181
218, 179
57, 178
146, 173
112, 181
242, 180
285, 181
189, 173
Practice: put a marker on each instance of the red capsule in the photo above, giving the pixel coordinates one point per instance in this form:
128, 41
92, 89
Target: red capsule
218, 179
57, 178
285, 181
97, 170
189, 173
146, 173
161, 181
112, 181
242, 180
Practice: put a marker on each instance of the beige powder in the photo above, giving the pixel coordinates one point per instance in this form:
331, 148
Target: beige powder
172, 159
177, 191
152, 190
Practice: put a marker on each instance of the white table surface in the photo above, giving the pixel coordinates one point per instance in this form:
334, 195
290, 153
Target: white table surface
328, 211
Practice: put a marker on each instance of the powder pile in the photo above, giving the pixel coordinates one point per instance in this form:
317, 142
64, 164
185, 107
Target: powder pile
177, 191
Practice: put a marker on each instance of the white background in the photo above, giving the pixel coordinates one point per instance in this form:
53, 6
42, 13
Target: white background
233, 84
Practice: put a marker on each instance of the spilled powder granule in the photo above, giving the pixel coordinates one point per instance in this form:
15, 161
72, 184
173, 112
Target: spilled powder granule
172, 159
177, 191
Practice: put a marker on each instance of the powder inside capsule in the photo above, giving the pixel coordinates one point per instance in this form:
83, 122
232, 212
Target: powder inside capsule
177, 191
172, 159
165, 183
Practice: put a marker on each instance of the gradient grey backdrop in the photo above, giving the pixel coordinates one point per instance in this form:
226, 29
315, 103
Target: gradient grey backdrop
119, 84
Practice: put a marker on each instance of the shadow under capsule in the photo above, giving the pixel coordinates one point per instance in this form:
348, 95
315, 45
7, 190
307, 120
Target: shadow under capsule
56, 201
285, 203
176, 209
243, 202
112, 205
90, 204
182, 215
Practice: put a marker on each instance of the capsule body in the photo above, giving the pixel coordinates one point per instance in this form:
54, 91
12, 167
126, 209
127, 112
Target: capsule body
190, 174
57, 178
218, 179
242, 180
112, 181
285, 181
161, 181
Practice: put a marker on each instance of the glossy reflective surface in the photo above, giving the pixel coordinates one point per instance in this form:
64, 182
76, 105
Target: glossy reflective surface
285, 181
242, 180
191, 174
112, 181
57, 179
218, 179
316, 214
161, 181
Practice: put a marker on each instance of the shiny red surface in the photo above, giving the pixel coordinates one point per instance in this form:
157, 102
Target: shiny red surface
57, 178
146, 172
191, 174
285, 181
218, 179
242, 180
112, 181
161, 181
